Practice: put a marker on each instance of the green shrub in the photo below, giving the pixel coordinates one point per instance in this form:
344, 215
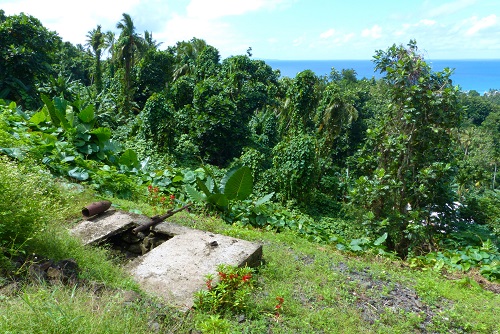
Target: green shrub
483, 208
29, 200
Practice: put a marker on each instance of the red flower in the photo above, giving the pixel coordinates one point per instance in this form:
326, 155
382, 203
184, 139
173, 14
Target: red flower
280, 300
209, 284
222, 275
172, 197
155, 189
278, 306
247, 277
150, 188
162, 199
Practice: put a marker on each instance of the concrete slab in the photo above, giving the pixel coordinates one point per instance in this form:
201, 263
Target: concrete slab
98, 228
176, 269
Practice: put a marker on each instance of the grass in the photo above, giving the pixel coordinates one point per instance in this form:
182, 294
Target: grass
324, 291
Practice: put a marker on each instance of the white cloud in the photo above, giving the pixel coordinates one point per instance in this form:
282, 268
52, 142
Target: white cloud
479, 24
328, 33
72, 19
298, 41
426, 22
450, 7
374, 32
219, 8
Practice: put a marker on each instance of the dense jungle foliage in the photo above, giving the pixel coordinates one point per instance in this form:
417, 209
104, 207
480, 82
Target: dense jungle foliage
403, 166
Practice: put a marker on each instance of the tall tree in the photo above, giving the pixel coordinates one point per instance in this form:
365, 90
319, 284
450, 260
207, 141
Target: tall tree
186, 54
150, 42
27, 52
129, 46
406, 163
95, 41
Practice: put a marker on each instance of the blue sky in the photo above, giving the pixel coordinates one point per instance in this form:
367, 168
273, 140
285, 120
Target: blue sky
288, 29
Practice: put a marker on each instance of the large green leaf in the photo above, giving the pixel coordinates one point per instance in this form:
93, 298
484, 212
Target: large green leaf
211, 185
264, 199
203, 187
226, 177
129, 158
194, 194
60, 106
14, 152
87, 115
219, 200
79, 173
49, 105
240, 184
39, 117
380, 239
103, 134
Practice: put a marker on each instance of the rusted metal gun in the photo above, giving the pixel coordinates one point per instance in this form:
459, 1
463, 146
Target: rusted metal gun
158, 219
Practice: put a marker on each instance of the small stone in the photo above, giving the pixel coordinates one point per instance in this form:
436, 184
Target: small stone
154, 326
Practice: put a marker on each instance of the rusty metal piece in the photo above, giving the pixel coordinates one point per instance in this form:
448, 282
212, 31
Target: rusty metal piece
95, 208
158, 219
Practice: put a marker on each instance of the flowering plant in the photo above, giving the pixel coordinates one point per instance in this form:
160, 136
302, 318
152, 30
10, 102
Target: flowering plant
230, 293
158, 200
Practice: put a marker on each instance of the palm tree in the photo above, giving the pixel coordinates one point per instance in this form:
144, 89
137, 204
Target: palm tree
95, 41
186, 55
150, 42
335, 112
109, 45
128, 45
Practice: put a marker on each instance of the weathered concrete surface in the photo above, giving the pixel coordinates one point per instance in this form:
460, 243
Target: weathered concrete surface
102, 226
176, 269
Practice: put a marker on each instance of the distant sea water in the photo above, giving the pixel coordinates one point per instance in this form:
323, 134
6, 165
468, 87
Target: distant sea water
479, 75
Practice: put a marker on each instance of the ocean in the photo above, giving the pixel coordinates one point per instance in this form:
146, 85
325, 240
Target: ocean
479, 75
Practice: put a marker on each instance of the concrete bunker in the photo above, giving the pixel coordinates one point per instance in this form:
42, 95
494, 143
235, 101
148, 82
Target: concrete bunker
169, 261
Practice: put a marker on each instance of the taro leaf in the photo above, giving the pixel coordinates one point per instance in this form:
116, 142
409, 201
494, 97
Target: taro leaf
101, 155
203, 187
239, 185
79, 143
38, 118
177, 178
340, 247
82, 132
219, 200
68, 158
14, 152
264, 199
129, 158
355, 248
194, 194
112, 146
189, 177
79, 173
354, 245
85, 149
226, 177
380, 240
103, 134
87, 115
